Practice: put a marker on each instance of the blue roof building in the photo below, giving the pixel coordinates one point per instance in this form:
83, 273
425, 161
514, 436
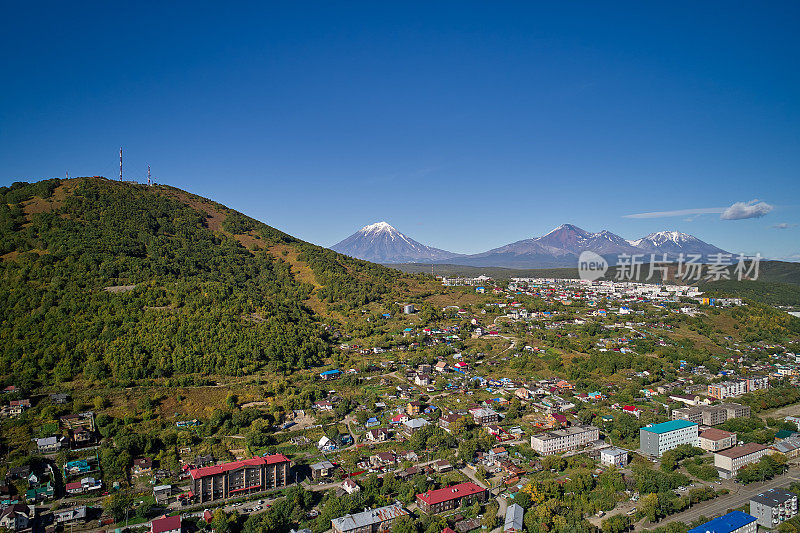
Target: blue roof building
733, 522
330, 374
672, 425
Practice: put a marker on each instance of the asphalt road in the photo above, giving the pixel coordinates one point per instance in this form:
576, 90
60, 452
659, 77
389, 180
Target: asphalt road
718, 506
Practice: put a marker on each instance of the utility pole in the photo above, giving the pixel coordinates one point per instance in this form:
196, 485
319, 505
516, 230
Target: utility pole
120, 163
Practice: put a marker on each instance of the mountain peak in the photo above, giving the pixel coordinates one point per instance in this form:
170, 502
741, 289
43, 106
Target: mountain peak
568, 228
379, 227
382, 243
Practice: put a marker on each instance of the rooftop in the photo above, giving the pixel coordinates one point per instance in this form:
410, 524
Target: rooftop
716, 434
773, 497
227, 467
565, 432
461, 490
666, 427
741, 451
725, 524
369, 517
168, 523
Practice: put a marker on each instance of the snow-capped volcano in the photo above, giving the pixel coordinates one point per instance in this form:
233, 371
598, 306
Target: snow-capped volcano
675, 242
561, 247
382, 243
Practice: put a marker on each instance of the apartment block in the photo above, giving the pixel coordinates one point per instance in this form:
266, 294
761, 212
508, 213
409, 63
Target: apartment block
248, 476
773, 507
440, 500
656, 439
562, 440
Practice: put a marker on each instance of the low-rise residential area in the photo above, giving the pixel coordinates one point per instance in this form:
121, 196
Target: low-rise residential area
530, 404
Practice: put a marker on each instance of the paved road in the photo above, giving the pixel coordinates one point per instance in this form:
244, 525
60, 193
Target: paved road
501, 514
733, 500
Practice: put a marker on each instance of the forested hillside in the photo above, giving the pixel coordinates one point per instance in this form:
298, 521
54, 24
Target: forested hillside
118, 280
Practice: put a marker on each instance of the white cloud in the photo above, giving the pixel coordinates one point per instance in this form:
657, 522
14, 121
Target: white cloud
737, 211
783, 225
742, 210
677, 212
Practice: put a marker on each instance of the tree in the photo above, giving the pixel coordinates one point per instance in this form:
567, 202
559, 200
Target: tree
223, 522
117, 504
648, 506
404, 525
616, 524
490, 516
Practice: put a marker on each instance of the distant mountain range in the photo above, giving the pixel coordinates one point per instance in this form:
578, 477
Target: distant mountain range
561, 247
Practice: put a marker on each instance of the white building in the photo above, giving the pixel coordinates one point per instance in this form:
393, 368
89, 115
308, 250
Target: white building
562, 440
614, 457
728, 462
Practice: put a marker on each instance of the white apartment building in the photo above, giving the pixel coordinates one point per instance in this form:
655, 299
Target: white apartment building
562, 440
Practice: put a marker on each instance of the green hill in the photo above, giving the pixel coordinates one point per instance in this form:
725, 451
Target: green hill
118, 280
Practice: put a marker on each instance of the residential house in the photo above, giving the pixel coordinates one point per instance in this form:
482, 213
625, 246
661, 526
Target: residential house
143, 466
350, 486
382, 459
166, 524
414, 425
446, 421
445, 499
17, 407
614, 457
48, 444
370, 520
631, 410
484, 416
514, 516
71, 515
16, 517
377, 435
442, 466
322, 469
329, 375
162, 494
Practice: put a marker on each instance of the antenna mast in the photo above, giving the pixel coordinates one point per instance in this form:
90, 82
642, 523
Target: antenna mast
120, 163
148, 175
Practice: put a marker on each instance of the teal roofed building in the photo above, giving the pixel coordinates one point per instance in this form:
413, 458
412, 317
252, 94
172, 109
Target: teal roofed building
656, 439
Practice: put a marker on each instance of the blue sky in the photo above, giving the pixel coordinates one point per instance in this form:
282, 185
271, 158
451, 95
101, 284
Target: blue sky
465, 125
